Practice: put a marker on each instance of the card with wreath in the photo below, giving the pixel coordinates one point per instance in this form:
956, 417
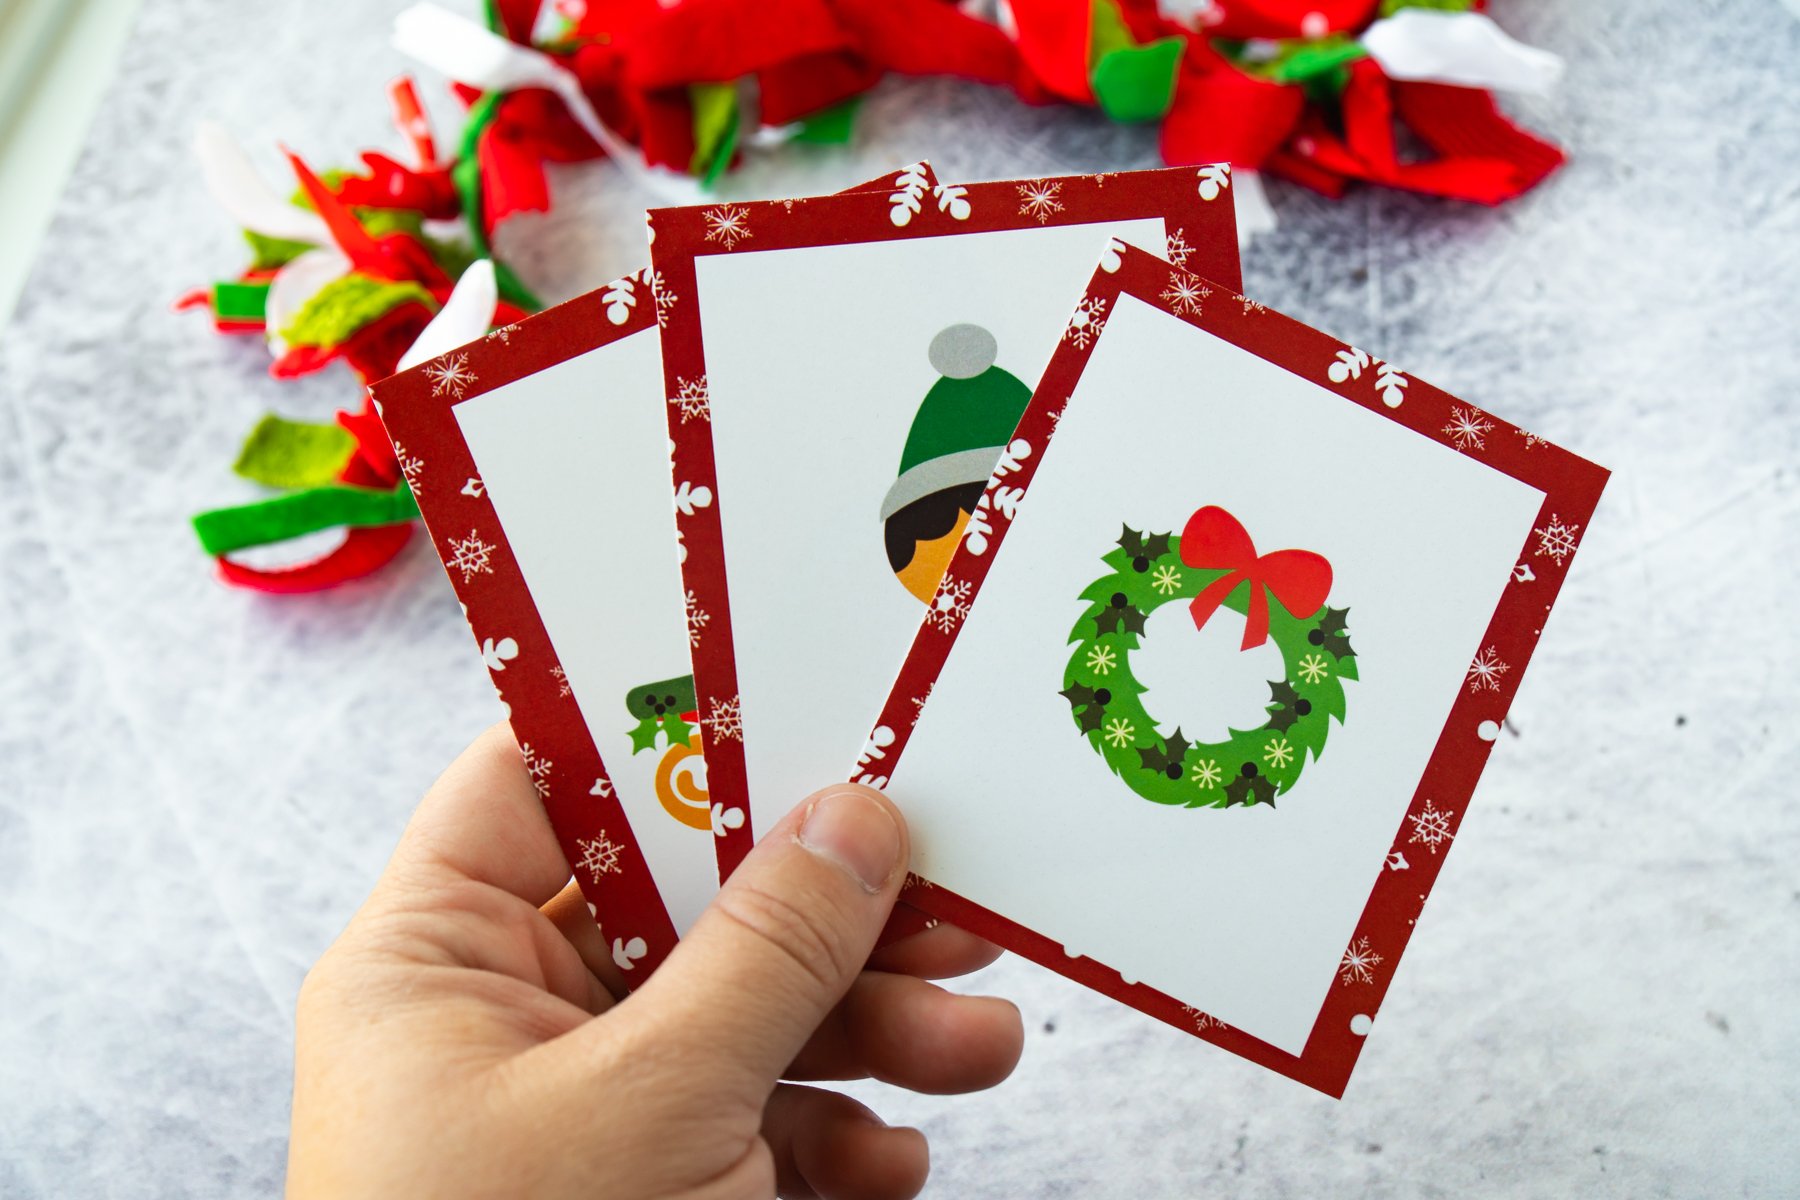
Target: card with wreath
540, 460
846, 376
1197, 725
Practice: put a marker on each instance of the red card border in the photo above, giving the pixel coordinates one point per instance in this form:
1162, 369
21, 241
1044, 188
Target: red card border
1571, 487
416, 406
1192, 202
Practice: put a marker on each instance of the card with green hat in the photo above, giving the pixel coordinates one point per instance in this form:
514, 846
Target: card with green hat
845, 375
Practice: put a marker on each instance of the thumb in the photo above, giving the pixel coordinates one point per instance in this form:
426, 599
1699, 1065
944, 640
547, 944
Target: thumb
785, 937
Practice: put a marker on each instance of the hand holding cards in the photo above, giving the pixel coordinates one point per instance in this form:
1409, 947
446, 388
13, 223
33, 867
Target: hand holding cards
1210, 617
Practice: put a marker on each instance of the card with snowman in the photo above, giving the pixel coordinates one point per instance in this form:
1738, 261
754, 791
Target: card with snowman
540, 460
1196, 723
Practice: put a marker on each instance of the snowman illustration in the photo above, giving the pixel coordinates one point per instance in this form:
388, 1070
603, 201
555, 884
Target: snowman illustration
668, 710
963, 424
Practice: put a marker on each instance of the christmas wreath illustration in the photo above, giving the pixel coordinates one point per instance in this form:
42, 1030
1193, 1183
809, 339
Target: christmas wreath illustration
1213, 564
668, 709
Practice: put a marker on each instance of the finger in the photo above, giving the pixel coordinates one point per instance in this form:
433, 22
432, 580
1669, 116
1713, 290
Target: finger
568, 911
941, 952
483, 820
783, 940
829, 1147
914, 1035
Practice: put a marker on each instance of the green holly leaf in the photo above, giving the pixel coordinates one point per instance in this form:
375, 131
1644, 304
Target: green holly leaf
1340, 646
1249, 790
1131, 619
1333, 623
1077, 695
1157, 545
1131, 541
1091, 718
643, 735
678, 730
1161, 761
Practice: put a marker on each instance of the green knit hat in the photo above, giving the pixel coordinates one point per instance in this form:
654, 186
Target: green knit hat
966, 420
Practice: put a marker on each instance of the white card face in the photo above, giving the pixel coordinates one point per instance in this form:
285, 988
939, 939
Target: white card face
575, 460
817, 364
1243, 913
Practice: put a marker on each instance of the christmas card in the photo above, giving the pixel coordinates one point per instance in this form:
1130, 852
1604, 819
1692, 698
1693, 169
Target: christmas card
1193, 719
843, 374
540, 459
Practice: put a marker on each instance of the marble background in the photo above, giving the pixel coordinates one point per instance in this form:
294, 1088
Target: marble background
197, 785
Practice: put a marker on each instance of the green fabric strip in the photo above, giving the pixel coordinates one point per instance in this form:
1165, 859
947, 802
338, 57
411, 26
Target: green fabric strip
466, 175
294, 454
1302, 62
235, 301
715, 107
1390, 7
830, 126
279, 518
346, 304
1138, 84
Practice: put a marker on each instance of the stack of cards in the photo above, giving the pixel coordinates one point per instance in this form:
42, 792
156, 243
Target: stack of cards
1180, 631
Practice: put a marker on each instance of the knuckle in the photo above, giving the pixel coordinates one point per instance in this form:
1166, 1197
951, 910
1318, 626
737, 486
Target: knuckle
792, 932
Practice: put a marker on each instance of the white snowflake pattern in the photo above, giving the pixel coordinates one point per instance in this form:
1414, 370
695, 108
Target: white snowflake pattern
727, 224
1468, 428
1532, 440
562, 682
1251, 306
1101, 660
660, 294
1359, 962
1038, 199
1214, 179
1202, 1021
697, 618
1431, 826
538, 768
1557, 539
1087, 322
599, 856
1184, 294
450, 375
1207, 774
725, 720
1166, 579
1314, 667
1278, 753
1486, 670
919, 702
471, 555
1119, 732
950, 605
411, 466
1178, 248
503, 335
692, 398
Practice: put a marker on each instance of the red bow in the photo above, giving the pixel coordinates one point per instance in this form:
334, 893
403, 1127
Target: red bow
1299, 579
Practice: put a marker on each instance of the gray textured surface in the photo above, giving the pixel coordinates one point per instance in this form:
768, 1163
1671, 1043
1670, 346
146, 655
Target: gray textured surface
197, 785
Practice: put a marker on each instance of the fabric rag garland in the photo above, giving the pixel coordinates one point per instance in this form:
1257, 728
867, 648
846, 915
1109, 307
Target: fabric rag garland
357, 266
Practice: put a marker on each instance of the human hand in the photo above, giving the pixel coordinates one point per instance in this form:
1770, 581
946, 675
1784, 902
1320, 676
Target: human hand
464, 1036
